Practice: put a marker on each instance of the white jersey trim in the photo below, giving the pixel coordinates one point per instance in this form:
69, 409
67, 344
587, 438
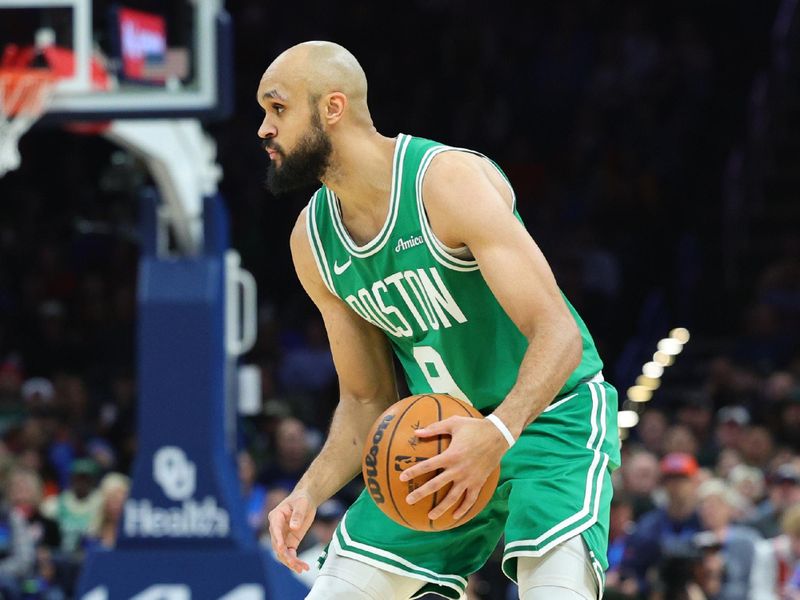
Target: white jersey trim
444, 254
379, 241
316, 245
455, 582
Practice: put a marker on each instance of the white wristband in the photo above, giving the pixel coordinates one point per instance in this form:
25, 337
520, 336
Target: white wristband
498, 422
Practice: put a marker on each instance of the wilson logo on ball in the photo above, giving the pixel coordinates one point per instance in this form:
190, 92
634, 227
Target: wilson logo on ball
371, 461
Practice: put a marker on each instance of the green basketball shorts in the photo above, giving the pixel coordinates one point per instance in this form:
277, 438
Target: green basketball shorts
555, 483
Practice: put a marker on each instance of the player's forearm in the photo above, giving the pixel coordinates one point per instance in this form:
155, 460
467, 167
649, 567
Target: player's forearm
340, 458
554, 352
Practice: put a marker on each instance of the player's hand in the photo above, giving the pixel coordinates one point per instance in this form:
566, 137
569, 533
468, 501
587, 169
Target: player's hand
288, 524
474, 452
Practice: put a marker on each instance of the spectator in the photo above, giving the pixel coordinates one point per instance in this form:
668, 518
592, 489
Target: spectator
697, 413
727, 460
717, 505
758, 446
786, 552
292, 455
679, 438
114, 489
749, 483
731, 427
77, 507
17, 553
652, 426
25, 496
783, 491
661, 529
640, 478
690, 570
258, 431
33, 460
38, 394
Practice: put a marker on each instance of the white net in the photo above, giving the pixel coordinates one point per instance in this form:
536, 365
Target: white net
24, 94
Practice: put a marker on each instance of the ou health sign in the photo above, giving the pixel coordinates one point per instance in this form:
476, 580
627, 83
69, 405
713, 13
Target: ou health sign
143, 45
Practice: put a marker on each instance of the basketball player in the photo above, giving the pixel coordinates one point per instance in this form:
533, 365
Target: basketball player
415, 247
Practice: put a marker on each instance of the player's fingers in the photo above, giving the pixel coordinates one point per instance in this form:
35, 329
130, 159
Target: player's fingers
292, 561
277, 524
426, 466
452, 497
467, 503
429, 487
444, 427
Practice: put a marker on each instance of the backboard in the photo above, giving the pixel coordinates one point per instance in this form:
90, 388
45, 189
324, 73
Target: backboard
126, 58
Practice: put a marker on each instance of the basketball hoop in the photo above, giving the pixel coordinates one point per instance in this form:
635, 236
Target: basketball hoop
24, 95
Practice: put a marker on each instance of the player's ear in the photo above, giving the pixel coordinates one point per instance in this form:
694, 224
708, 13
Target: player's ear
333, 107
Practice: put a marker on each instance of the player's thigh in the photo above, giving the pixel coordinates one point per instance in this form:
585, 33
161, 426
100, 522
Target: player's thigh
560, 478
564, 573
343, 578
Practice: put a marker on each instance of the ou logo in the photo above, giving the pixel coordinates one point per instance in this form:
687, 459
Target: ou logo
174, 472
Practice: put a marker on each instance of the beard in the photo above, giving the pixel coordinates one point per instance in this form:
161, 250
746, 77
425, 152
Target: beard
304, 166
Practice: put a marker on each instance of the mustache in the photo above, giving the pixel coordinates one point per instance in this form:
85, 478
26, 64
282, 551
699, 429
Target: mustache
271, 145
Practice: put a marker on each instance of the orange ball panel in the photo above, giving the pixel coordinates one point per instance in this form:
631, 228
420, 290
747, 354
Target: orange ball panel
392, 446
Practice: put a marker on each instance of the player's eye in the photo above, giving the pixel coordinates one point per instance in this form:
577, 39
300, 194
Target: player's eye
278, 108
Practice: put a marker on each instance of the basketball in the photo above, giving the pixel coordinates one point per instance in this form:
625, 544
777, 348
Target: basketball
391, 447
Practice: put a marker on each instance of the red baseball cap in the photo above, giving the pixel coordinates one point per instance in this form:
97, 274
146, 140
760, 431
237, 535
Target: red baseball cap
679, 463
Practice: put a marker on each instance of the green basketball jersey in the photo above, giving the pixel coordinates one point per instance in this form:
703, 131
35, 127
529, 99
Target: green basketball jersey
448, 330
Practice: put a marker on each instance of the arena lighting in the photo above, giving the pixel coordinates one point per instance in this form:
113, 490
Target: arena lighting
670, 346
653, 369
627, 418
681, 334
651, 383
662, 358
639, 393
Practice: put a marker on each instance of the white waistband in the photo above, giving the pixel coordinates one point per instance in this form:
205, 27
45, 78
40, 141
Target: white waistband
598, 377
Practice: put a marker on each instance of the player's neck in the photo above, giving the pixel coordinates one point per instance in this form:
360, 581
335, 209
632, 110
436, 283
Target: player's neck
361, 173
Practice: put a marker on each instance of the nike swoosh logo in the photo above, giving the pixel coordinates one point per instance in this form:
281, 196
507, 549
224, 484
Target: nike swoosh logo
339, 269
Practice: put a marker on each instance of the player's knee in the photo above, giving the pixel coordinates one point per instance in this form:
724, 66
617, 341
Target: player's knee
331, 587
564, 573
343, 578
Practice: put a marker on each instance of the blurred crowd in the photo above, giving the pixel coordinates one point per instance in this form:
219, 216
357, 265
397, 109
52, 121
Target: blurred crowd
607, 119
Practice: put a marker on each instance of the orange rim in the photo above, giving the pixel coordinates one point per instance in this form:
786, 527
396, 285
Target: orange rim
24, 91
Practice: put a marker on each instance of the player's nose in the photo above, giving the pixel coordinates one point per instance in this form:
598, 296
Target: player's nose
267, 129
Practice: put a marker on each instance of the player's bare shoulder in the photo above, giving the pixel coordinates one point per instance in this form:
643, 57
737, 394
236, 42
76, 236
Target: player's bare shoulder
303, 258
298, 240
459, 190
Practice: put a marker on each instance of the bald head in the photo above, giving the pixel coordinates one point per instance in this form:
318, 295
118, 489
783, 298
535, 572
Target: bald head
321, 68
